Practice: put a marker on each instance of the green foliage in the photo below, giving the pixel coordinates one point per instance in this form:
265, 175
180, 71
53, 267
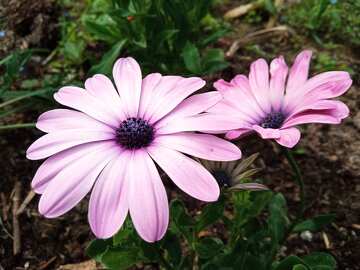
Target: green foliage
327, 20
255, 232
157, 33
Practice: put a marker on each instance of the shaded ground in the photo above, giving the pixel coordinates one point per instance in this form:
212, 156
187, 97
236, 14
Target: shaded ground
329, 158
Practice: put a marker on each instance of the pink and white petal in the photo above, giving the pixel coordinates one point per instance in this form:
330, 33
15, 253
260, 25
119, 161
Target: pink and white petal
72, 184
173, 98
189, 175
267, 133
63, 119
128, 78
203, 122
148, 87
238, 133
148, 201
310, 116
103, 89
108, 204
278, 71
191, 106
259, 83
203, 146
56, 163
323, 86
81, 100
334, 107
299, 72
56, 142
289, 137
240, 99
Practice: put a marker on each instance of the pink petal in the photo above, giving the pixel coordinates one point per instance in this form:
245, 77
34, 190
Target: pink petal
56, 142
334, 107
267, 133
312, 117
103, 89
299, 72
56, 163
203, 146
168, 101
191, 106
80, 99
203, 122
259, 83
323, 86
240, 99
128, 78
238, 133
62, 119
148, 201
72, 184
187, 174
289, 137
148, 88
278, 71
108, 204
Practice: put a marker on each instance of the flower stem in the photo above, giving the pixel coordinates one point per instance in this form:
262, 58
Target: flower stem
13, 126
298, 177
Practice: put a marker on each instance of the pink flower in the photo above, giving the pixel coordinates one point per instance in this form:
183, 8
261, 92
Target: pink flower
109, 143
273, 105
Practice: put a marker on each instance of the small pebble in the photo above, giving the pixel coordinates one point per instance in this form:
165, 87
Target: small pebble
307, 236
2, 34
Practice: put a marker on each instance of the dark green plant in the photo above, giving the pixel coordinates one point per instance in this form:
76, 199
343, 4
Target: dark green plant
166, 36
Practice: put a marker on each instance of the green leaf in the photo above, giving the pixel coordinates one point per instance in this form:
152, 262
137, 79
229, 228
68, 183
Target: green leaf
74, 50
172, 246
289, 262
211, 213
300, 267
191, 57
213, 61
314, 224
97, 248
118, 258
107, 61
278, 220
182, 222
320, 261
209, 247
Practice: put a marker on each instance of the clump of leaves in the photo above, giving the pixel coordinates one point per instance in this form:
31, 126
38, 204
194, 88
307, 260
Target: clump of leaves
326, 20
166, 36
250, 241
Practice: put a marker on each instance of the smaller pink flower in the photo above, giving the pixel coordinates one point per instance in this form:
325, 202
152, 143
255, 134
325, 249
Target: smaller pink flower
271, 103
110, 139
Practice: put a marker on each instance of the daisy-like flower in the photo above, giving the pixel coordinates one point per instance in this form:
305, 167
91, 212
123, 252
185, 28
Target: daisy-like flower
108, 143
234, 174
272, 102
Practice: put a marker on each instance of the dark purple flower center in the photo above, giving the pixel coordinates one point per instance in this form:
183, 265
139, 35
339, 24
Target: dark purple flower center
134, 133
273, 120
222, 178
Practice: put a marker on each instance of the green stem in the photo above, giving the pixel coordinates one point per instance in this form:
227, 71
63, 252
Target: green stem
13, 126
298, 177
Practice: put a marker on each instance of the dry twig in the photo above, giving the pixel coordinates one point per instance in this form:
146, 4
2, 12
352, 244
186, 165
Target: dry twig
15, 220
25, 203
261, 34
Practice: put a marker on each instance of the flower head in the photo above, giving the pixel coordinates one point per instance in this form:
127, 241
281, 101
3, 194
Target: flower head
272, 102
110, 140
234, 175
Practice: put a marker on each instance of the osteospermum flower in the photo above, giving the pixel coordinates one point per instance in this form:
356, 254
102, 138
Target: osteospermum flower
234, 174
272, 105
112, 138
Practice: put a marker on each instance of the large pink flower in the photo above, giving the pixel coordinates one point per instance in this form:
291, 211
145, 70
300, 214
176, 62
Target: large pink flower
273, 105
110, 141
